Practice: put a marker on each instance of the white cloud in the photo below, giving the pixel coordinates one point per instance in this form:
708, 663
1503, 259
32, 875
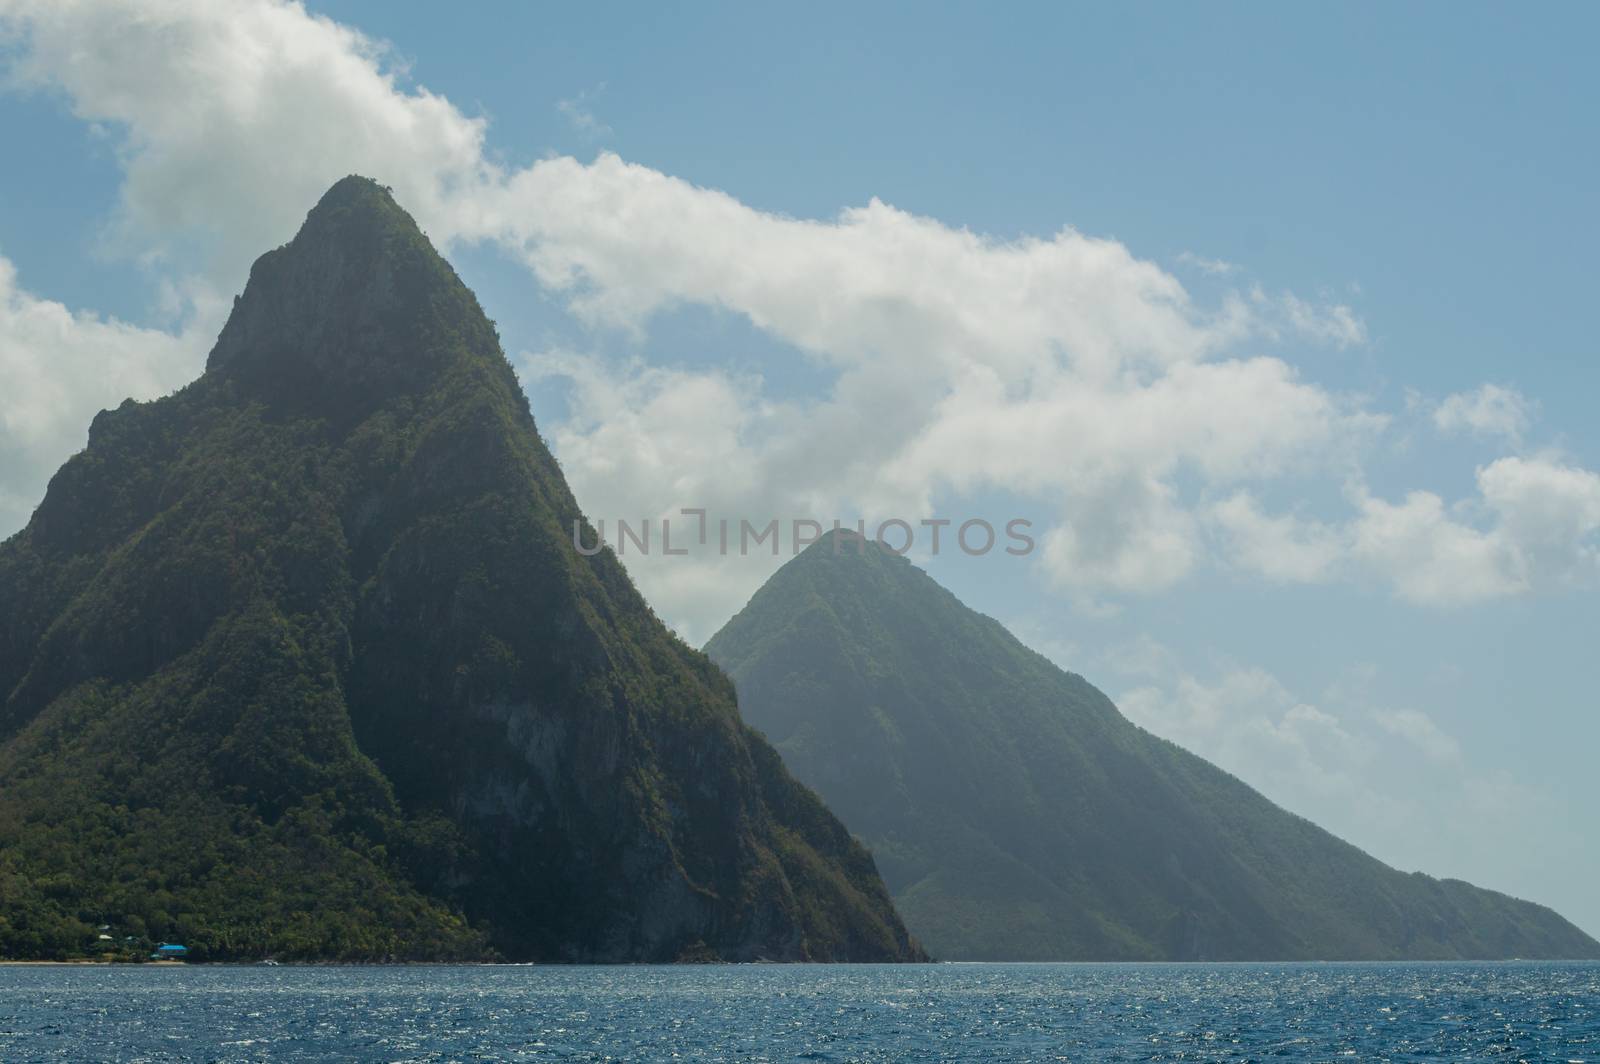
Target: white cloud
1534, 524
232, 118
1433, 558
1537, 527
647, 441
1144, 657
1214, 267
1549, 512
1419, 729
1491, 410
60, 368
1282, 548
1248, 723
1393, 781
1336, 324
1064, 370
1131, 537
1061, 370
576, 110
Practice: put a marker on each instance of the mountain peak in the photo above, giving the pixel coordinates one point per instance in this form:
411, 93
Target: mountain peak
1015, 814
355, 207
851, 565
849, 544
319, 621
354, 190
358, 301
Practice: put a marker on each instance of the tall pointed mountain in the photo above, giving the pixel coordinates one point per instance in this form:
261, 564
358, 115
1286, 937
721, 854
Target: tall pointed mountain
301, 660
1016, 815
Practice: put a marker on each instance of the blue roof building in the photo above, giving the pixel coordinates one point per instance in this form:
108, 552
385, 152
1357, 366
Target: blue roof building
169, 951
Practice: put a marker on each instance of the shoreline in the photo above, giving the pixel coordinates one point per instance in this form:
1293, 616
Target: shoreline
1302, 963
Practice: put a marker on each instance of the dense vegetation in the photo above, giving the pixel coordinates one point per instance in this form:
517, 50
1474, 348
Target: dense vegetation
1016, 814
300, 662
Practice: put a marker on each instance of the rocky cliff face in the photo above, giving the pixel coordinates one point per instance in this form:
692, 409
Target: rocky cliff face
301, 660
1018, 816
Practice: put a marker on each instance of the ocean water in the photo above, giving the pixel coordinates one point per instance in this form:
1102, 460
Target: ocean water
979, 1012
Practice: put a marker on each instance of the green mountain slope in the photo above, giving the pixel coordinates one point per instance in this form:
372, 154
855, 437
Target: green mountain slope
300, 660
1017, 815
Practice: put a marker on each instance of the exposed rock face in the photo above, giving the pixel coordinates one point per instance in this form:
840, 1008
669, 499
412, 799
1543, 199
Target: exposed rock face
301, 660
1016, 815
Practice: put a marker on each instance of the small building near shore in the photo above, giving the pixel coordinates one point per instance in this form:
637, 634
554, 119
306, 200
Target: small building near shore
169, 952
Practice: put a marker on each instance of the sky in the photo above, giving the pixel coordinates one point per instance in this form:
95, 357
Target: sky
1269, 318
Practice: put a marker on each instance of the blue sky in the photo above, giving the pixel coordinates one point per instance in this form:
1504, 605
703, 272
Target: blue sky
1292, 235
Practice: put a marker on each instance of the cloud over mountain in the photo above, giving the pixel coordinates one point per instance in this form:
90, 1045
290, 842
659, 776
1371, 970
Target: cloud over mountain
1062, 372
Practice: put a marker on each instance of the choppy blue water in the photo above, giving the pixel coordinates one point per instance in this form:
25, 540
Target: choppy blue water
987, 1012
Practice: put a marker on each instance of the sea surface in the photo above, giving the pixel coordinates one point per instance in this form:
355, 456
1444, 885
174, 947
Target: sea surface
979, 1012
